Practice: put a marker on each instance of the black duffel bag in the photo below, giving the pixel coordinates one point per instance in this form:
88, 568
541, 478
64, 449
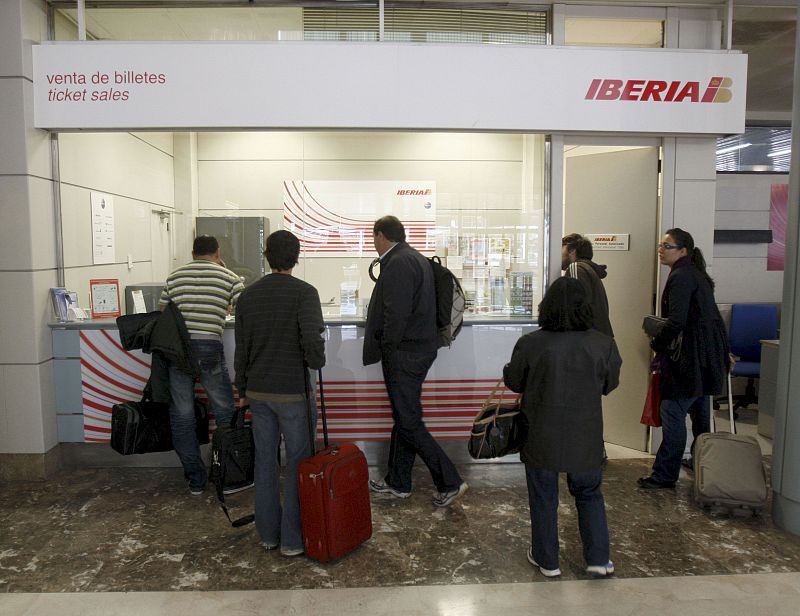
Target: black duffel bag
144, 426
499, 427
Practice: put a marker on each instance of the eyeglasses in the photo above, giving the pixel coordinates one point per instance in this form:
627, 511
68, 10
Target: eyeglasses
666, 246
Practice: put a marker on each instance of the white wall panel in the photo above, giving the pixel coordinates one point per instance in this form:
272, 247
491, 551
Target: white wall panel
161, 141
27, 237
274, 145
24, 149
26, 309
741, 220
30, 388
132, 222
694, 159
117, 163
739, 251
743, 280
77, 279
746, 191
694, 212
245, 185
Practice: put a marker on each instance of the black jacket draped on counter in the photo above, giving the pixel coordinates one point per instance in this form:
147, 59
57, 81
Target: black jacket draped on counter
562, 377
688, 305
164, 335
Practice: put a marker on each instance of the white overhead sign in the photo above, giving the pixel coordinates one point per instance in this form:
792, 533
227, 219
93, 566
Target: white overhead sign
295, 85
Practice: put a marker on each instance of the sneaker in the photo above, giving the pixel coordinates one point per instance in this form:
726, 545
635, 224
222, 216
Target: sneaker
445, 499
227, 491
270, 546
196, 491
648, 483
542, 570
291, 551
381, 487
601, 571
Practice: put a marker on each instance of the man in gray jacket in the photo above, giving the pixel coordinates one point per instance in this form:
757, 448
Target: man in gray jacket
576, 261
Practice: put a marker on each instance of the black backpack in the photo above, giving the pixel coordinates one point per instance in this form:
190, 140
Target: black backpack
450, 300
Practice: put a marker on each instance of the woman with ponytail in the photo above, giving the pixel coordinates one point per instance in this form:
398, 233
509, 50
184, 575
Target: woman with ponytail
692, 351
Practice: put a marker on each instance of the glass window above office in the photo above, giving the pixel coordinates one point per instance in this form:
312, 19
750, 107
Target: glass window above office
758, 149
476, 200
316, 21
594, 32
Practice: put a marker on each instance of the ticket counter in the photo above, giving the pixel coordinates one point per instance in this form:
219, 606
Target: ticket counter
93, 372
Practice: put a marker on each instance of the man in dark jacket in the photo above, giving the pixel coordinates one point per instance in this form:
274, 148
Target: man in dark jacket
278, 333
401, 333
576, 261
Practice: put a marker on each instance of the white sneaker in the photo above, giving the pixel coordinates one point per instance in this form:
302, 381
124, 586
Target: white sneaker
291, 551
601, 571
269, 546
445, 499
542, 570
228, 491
381, 487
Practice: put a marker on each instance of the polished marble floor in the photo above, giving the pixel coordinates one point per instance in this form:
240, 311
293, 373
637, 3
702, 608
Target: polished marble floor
119, 541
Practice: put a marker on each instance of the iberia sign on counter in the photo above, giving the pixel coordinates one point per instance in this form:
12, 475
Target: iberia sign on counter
404, 86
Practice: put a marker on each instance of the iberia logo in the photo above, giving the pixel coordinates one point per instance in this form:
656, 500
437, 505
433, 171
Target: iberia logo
718, 90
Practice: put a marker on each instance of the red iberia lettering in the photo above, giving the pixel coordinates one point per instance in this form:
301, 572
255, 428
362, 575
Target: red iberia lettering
658, 91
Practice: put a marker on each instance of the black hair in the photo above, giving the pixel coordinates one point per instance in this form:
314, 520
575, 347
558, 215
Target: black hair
283, 250
564, 307
205, 245
684, 239
391, 227
581, 245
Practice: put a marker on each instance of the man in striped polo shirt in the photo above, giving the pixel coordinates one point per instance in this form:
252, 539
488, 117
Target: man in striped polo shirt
203, 290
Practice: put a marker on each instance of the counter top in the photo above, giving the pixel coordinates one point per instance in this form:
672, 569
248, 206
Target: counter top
330, 320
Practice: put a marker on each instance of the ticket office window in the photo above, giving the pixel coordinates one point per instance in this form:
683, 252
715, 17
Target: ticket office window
477, 200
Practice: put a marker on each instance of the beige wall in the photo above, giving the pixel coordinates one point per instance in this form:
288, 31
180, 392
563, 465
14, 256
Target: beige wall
27, 242
137, 170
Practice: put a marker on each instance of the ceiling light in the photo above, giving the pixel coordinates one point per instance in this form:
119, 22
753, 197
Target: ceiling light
780, 153
733, 148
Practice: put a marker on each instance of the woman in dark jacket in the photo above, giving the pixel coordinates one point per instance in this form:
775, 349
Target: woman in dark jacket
692, 352
562, 371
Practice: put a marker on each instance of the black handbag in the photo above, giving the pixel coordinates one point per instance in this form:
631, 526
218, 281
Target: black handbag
140, 427
652, 326
233, 461
499, 427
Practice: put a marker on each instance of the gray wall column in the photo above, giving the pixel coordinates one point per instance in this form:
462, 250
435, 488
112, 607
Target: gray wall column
786, 441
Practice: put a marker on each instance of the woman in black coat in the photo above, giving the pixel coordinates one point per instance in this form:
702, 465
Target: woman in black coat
562, 371
692, 352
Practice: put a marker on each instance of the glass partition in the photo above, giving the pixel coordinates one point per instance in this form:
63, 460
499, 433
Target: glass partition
475, 200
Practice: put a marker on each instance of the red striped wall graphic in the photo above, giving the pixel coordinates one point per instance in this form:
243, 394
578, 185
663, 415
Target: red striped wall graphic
357, 410
324, 230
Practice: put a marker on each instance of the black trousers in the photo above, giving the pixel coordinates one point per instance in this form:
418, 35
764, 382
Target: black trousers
404, 373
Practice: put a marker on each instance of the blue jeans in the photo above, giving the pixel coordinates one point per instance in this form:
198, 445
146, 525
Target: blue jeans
404, 373
276, 524
592, 523
667, 466
215, 380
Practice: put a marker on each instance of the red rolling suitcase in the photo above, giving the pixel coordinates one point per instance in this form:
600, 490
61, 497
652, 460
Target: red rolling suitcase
334, 498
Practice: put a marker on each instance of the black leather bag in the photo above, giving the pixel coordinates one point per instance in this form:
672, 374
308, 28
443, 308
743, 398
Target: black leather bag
140, 427
499, 427
233, 461
652, 326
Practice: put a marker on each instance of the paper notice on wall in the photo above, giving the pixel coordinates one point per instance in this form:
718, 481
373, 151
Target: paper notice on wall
139, 306
102, 228
609, 241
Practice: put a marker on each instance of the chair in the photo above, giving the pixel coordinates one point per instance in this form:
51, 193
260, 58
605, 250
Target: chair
750, 324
